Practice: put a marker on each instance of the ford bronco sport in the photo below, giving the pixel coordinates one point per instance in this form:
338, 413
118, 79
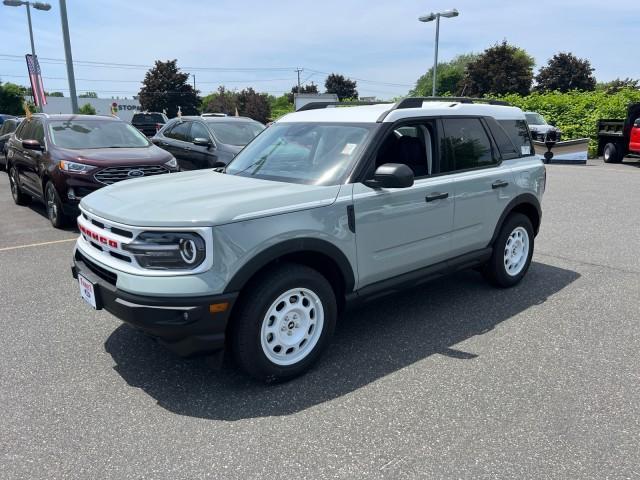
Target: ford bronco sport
326, 207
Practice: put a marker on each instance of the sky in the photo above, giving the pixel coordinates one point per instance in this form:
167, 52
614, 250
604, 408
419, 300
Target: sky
242, 43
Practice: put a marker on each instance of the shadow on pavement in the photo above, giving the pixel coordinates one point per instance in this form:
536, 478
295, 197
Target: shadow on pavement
369, 343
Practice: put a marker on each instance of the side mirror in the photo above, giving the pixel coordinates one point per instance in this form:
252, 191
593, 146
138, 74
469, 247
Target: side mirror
391, 175
31, 145
202, 142
219, 164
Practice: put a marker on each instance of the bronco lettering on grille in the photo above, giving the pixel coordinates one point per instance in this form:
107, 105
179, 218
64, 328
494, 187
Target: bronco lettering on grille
98, 238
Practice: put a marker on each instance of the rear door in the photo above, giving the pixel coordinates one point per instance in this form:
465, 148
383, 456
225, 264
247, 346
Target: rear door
482, 184
634, 143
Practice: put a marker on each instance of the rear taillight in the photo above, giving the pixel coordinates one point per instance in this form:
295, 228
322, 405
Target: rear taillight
158, 127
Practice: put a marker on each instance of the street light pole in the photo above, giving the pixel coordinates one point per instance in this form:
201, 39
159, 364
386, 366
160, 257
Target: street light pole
67, 54
429, 18
33, 48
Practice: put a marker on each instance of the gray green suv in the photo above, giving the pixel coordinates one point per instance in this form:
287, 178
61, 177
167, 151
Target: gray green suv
325, 208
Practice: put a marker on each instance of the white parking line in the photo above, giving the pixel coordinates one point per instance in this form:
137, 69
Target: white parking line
17, 247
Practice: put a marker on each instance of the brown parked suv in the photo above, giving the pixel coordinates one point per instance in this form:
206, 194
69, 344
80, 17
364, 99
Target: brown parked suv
58, 159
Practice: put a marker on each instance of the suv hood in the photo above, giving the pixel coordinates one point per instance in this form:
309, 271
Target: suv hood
107, 157
201, 198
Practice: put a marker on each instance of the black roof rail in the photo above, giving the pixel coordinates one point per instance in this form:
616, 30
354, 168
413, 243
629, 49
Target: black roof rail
319, 105
416, 102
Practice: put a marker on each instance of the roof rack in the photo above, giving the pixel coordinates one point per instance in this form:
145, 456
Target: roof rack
416, 102
319, 105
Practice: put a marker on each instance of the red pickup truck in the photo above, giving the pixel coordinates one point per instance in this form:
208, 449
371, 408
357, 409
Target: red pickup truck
620, 138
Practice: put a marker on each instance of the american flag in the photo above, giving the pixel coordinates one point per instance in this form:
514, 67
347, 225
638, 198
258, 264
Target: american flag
36, 81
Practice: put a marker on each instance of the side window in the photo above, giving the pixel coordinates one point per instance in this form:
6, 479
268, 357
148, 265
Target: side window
180, 131
4, 128
20, 129
198, 130
38, 132
466, 145
507, 149
27, 130
518, 132
637, 122
411, 145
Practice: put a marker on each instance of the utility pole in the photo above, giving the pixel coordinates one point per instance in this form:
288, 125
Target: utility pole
194, 81
67, 54
299, 70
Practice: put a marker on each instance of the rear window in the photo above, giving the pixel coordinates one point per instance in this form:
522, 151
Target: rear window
518, 132
235, 133
81, 134
148, 118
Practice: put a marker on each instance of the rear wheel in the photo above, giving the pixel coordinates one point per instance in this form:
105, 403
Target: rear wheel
54, 207
512, 252
283, 323
611, 153
14, 181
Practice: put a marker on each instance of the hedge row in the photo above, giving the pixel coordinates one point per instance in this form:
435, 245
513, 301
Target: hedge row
576, 113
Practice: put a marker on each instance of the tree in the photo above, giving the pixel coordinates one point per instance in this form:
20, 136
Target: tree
55, 94
281, 105
254, 105
12, 99
222, 101
88, 95
450, 75
343, 87
166, 87
499, 70
87, 109
312, 88
617, 85
566, 72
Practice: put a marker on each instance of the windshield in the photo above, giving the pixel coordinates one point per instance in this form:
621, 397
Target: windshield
81, 134
235, 133
311, 153
535, 119
148, 118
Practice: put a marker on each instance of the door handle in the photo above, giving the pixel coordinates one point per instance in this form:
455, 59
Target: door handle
499, 184
436, 196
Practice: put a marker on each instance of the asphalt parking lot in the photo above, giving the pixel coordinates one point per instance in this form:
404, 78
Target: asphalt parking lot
452, 380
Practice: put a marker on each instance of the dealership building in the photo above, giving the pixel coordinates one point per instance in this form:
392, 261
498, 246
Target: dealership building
125, 107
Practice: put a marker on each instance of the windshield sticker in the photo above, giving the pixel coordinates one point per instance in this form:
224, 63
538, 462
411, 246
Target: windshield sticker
525, 149
349, 148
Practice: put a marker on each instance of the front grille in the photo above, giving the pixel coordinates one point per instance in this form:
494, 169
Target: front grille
103, 273
112, 175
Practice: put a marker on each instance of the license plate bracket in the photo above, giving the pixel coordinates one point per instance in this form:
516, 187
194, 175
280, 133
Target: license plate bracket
89, 292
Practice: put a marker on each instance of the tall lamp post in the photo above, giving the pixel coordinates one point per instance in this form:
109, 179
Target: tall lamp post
38, 6
429, 18
67, 53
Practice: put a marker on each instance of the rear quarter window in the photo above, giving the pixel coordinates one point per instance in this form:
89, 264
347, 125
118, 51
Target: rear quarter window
518, 132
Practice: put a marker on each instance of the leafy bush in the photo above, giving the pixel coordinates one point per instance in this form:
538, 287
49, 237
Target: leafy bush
577, 113
87, 109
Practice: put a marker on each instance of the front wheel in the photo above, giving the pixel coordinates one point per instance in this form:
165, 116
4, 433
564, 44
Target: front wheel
611, 154
283, 322
54, 207
512, 252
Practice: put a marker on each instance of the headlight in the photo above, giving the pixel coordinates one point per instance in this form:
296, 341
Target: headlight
168, 250
173, 163
73, 167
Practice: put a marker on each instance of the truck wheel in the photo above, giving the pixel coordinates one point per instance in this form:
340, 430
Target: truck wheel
54, 207
18, 197
512, 252
610, 153
284, 322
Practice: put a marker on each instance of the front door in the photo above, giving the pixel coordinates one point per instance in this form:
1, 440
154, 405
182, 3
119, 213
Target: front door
399, 230
202, 156
634, 144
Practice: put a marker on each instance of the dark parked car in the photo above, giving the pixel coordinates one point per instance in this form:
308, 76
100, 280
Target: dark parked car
58, 159
4, 116
149, 122
6, 130
205, 142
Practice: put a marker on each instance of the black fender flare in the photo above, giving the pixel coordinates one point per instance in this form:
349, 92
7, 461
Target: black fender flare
522, 199
295, 245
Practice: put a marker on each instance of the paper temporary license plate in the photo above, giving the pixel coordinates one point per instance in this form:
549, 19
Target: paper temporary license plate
87, 291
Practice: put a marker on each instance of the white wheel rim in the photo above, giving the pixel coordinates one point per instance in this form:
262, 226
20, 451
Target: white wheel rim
292, 326
516, 251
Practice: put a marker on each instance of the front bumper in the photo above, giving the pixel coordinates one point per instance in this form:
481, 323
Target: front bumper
187, 326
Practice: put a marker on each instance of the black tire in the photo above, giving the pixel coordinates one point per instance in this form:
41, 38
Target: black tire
496, 270
19, 198
54, 207
256, 301
610, 154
